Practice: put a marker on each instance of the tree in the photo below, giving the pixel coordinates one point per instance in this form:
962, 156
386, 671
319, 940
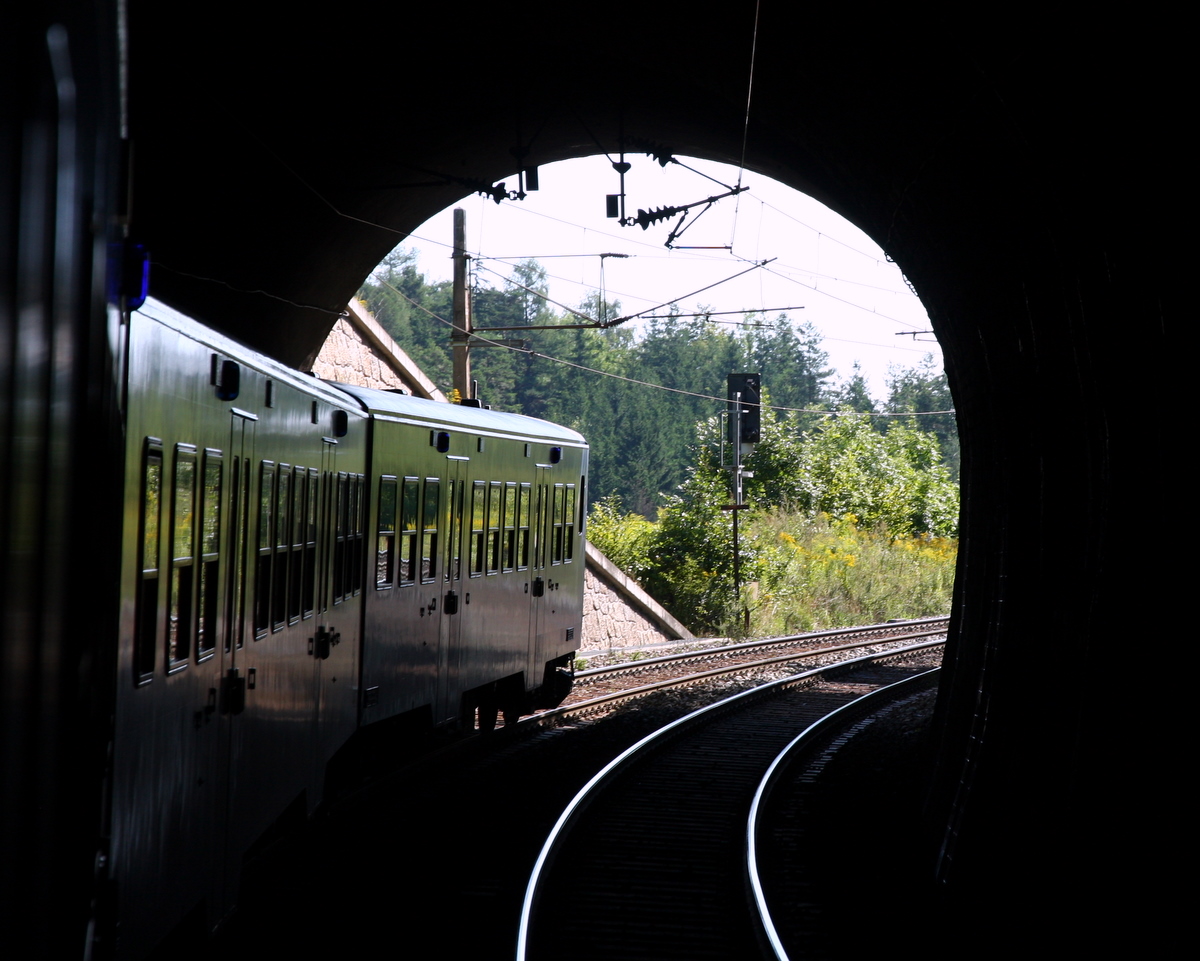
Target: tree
853, 394
398, 296
791, 361
924, 388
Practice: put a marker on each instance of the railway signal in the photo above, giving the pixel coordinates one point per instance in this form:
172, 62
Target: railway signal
744, 431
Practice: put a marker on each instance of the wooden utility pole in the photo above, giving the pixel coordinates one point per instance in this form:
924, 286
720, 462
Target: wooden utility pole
460, 339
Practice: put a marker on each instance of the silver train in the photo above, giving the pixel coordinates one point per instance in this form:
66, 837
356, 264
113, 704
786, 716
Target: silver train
300, 561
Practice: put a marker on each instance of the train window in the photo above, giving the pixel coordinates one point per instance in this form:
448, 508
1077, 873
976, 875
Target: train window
182, 584
359, 556
262, 573
478, 525
510, 526
239, 508
385, 542
429, 521
409, 502
556, 525
539, 529
452, 567
283, 491
308, 591
279, 577
569, 525
582, 505
210, 546
341, 523
146, 629
348, 532
295, 539
523, 526
353, 537
495, 518
454, 526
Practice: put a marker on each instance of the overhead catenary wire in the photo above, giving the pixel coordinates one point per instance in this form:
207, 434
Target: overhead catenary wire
606, 324
779, 271
406, 235
649, 384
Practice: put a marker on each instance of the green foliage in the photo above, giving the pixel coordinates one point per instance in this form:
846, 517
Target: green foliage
887, 554
395, 293
854, 394
823, 572
800, 572
624, 538
924, 388
846, 465
893, 481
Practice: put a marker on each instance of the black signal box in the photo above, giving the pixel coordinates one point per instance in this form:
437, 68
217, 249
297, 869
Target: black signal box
750, 387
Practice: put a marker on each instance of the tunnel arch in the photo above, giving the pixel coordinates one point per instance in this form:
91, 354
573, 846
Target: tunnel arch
972, 156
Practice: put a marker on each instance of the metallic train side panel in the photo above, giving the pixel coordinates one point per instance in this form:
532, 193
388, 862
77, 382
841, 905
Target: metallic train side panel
195, 780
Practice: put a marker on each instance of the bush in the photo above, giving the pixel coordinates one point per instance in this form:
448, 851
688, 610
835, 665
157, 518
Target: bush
847, 526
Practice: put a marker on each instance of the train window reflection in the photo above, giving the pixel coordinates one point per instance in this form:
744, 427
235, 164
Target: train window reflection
478, 522
147, 604
279, 579
523, 526
210, 543
495, 494
262, 573
385, 543
569, 525
182, 585
429, 522
409, 502
510, 526
308, 599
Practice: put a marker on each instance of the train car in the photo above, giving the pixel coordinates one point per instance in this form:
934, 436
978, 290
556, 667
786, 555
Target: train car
300, 560
478, 518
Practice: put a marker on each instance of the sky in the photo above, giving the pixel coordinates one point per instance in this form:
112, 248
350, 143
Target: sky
822, 268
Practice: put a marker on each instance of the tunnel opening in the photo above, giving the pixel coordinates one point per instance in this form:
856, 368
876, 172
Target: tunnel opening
631, 334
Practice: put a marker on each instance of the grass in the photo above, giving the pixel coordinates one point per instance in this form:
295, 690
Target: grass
820, 572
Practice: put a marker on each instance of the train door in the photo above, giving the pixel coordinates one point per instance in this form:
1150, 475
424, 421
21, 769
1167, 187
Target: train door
228, 696
333, 640
446, 706
542, 489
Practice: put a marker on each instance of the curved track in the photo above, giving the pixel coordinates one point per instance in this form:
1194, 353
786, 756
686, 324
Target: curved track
647, 861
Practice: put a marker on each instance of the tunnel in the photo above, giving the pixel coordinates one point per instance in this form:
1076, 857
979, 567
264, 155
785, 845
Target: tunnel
1020, 168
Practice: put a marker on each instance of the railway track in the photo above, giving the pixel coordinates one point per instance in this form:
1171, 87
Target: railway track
648, 859
601, 689
473, 820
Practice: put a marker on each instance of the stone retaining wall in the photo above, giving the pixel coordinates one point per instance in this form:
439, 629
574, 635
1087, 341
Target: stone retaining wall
617, 613
609, 622
346, 358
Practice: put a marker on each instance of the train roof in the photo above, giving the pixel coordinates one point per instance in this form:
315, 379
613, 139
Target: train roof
380, 403
383, 403
172, 319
